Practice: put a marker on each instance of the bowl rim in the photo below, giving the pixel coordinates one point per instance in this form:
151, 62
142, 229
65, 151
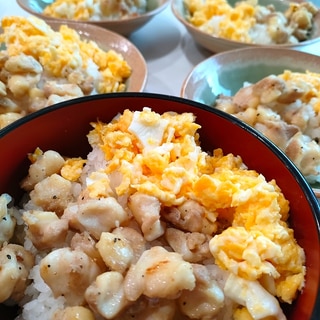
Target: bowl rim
149, 13
159, 96
194, 30
308, 193
284, 50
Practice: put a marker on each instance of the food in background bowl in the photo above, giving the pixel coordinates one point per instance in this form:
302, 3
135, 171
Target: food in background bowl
286, 109
248, 21
274, 90
223, 27
175, 188
45, 63
95, 10
119, 21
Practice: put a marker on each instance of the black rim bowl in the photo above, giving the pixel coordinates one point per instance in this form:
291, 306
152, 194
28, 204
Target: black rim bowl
117, 102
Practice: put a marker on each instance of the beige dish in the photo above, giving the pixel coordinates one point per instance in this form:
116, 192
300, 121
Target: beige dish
109, 40
106, 40
216, 44
226, 72
122, 26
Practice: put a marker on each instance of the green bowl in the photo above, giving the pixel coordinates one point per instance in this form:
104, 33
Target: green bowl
225, 73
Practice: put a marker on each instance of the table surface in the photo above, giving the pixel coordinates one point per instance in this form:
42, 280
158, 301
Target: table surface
169, 51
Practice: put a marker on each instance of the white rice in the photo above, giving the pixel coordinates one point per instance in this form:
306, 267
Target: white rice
40, 301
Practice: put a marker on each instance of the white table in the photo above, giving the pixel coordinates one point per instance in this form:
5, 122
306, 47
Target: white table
168, 49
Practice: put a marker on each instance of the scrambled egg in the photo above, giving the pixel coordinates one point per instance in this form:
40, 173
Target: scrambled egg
308, 82
95, 9
59, 51
231, 23
249, 22
72, 168
160, 155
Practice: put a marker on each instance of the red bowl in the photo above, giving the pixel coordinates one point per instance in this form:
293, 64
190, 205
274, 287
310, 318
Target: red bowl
63, 127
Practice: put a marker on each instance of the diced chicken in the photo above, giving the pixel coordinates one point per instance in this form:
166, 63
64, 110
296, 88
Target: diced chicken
116, 251
302, 17
189, 216
85, 83
277, 28
19, 85
8, 118
54, 99
45, 165
73, 313
151, 309
193, 246
290, 95
158, 274
163, 310
15, 263
96, 216
258, 301
146, 210
106, 294
37, 100
62, 89
206, 300
135, 238
45, 229
23, 64
84, 242
225, 103
53, 193
297, 114
264, 91
120, 248
7, 220
69, 273
3, 89
8, 105
305, 153
278, 132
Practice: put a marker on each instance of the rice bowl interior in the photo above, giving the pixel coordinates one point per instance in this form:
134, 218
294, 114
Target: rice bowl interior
62, 131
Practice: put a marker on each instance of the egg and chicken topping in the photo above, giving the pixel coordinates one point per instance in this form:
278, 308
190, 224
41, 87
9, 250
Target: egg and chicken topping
286, 109
95, 10
161, 228
249, 22
40, 66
